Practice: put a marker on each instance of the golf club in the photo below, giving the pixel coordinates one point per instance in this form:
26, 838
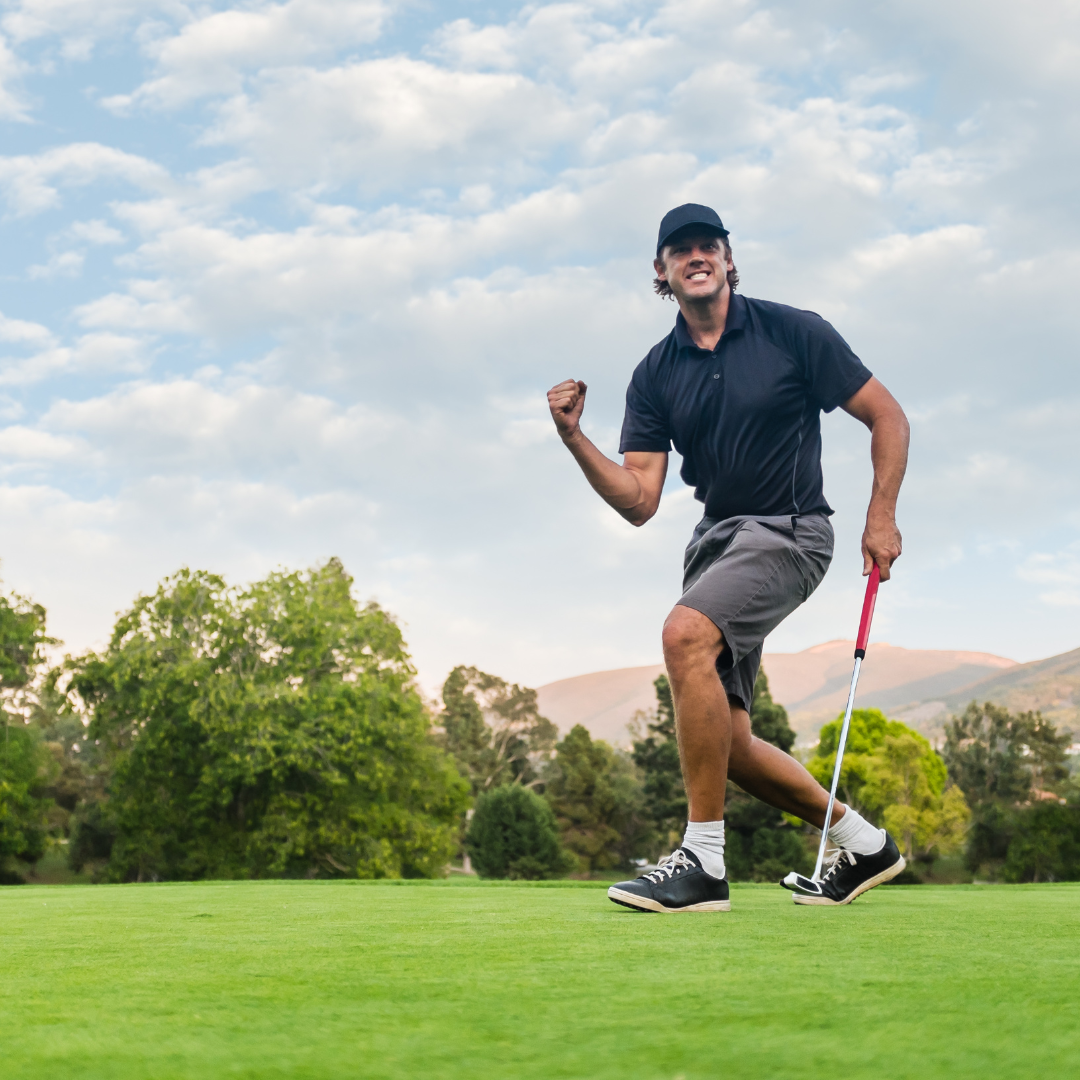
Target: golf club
860, 652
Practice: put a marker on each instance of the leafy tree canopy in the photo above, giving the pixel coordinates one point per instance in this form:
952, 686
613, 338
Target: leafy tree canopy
597, 798
267, 731
24, 808
25, 763
1000, 757
893, 776
493, 729
1003, 762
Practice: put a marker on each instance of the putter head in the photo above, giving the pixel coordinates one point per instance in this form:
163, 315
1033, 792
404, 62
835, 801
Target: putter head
798, 883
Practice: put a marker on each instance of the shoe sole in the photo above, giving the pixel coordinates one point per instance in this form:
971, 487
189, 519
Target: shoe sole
641, 903
866, 886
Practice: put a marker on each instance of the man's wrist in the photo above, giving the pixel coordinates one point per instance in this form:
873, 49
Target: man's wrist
881, 514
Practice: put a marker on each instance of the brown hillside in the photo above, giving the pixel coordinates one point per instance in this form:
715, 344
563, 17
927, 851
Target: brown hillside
604, 701
811, 684
1051, 686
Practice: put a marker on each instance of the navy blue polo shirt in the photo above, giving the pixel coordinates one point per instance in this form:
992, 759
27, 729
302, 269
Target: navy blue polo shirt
745, 416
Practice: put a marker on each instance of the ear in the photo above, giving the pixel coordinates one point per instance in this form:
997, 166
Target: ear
658, 266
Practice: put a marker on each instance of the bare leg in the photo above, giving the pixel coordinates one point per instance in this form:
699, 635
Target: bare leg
692, 643
713, 738
774, 777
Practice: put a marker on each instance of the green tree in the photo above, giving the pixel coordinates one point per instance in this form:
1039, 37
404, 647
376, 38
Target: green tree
1044, 843
76, 780
513, 834
267, 731
493, 729
657, 757
598, 801
23, 805
1002, 762
906, 786
893, 776
25, 763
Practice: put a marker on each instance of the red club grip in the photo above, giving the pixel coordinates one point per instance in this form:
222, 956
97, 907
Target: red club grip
867, 612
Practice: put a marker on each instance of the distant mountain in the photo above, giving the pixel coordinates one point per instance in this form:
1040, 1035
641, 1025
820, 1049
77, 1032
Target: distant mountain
1051, 686
604, 701
811, 684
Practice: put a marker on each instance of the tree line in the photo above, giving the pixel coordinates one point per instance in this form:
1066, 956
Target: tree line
277, 730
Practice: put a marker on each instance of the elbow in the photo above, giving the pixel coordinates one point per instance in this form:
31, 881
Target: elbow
638, 515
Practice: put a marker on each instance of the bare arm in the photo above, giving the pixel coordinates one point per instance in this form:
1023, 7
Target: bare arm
633, 488
881, 413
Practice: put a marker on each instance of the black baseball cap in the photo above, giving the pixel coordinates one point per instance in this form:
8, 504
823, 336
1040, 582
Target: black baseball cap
688, 214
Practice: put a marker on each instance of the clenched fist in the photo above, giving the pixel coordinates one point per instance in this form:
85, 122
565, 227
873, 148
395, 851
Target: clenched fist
566, 402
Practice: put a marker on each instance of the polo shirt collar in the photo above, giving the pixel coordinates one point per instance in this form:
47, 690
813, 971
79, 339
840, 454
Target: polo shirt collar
736, 320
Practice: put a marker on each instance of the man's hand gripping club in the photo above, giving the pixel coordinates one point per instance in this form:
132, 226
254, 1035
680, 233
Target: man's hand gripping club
632, 488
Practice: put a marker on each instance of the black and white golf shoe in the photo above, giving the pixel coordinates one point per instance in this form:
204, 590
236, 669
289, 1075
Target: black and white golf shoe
677, 884
847, 875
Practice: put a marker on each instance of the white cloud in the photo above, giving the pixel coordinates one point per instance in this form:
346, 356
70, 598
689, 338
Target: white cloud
1061, 571
30, 181
79, 22
63, 264
95, 232
344, 297
12, 102
211, 54
26, 444
184, 426
398, 120
19, 331
93, 353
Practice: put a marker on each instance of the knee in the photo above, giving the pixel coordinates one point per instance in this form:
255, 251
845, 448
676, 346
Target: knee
689, 636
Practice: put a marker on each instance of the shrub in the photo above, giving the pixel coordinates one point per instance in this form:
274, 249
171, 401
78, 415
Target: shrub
513, 835
1045, 844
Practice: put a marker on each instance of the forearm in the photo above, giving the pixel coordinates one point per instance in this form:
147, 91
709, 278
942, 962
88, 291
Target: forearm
621, 488
888, 453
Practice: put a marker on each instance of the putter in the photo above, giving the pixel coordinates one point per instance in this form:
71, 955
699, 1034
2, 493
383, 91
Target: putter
860, 653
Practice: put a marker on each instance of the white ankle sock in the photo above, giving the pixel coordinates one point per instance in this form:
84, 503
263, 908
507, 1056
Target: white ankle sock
706, 840
854, 833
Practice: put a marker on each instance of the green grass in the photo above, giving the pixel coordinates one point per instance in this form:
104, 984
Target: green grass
463, 979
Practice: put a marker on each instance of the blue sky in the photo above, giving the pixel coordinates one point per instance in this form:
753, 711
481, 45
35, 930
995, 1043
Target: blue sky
289, 280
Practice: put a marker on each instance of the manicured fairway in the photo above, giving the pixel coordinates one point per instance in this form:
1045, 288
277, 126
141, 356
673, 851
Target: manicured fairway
455, 979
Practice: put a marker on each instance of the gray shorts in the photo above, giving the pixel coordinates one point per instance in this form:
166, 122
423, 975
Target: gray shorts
747, 575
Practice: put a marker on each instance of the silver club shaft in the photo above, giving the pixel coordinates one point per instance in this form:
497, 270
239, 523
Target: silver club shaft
836, 769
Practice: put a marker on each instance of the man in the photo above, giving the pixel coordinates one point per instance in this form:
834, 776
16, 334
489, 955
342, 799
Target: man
738, 387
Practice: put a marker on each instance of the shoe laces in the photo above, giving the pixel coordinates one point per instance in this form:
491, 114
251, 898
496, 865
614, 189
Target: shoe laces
669, 866
835, 859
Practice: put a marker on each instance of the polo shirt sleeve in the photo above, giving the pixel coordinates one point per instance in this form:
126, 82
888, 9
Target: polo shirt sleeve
645, 428
833, 372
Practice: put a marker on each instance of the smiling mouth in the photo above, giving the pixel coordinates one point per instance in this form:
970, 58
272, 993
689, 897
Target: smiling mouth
698, 275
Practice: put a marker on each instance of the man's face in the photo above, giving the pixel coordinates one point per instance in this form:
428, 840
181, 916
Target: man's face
695, 266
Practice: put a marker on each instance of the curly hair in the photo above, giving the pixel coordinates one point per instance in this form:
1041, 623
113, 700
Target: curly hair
662, 288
